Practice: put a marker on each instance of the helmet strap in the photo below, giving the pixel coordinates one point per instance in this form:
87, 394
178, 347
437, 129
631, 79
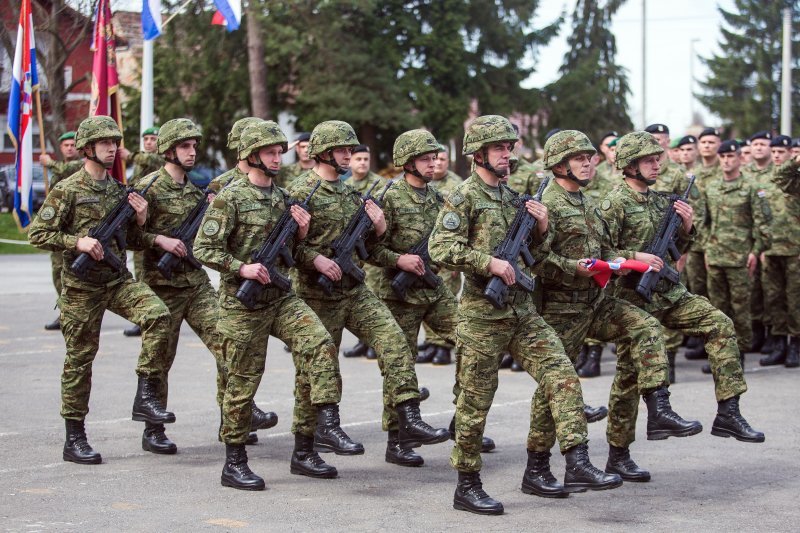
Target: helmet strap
573, 177
485, 164
638, 176
332, 163
174, 159
414, 172
261, 166
93, 157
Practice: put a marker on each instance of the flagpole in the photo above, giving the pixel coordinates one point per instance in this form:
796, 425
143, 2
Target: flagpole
116, 103
177, 12
146, 115
41, 138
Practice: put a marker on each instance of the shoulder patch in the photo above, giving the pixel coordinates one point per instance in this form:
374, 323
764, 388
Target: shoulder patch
211, 227
456, 198
598, 213
451, 220
606, 205
694, 192
47, 213
218, 202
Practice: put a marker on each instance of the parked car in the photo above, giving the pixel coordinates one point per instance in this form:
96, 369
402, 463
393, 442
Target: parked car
8, 183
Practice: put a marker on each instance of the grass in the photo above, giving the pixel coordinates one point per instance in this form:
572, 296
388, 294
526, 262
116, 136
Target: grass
9, 230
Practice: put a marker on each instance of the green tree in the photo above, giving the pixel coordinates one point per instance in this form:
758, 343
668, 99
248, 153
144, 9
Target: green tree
744, 84
592, 93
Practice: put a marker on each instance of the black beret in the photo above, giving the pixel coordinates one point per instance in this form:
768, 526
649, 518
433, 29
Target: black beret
606, 135
708, 131
781, 141
764, 134
551, 133
796, 143
360, 148
657, 128
303, 137
728, 146
689, 139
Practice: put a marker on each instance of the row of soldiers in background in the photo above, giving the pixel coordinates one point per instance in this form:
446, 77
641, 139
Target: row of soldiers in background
464, 231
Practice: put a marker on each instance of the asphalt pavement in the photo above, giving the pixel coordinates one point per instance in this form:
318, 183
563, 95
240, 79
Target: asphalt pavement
700, 483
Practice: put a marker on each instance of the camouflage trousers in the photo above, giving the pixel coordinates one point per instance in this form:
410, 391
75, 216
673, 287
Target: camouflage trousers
640, 348
244, 335
696, 272
672, 339
370, 320
57, 263
198, 307
537, 348
729, 291
82, 311
452, 280
757, 310
782, 292
439, 315
138, 264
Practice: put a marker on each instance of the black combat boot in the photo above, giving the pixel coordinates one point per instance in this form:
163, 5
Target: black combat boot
146, 405
729, 422
581, 360
539, 480
371, 354
487, 444
505, 361
620, 463
132, 331
694, 342
694, 354
155, 440
471, 497
582, 474
591, 368
516, 367
55, 325
759, 336
236, 474
769, 344
307, 462
76, 447
594, 414
662, 421
330, 437
359, 350
793, 354
415, 432
442, 356
424, 393
778, 354
401, 455
262, 420
671, 362
427, 354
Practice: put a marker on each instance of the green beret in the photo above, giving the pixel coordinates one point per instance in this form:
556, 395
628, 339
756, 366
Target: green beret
613, 143
150, 131
674, 143
66, 136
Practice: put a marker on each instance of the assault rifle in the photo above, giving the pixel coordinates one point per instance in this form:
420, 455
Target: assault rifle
403, 280
352, 238
274, 248
111, 227
516, 243
663, 243
186, 233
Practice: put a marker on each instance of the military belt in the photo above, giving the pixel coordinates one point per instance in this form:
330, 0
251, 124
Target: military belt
570, 296
268, 295
630, 282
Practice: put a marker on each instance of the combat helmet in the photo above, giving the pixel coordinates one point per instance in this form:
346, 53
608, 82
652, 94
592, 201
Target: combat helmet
565, 144
486, 130
96, 128
258, 135
175, 131
412, 144
237, 129
331, 134
636, 145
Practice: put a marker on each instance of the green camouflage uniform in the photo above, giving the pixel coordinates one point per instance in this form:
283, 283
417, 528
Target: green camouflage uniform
528, 176
409, 217
352, 305
238, 221
758, 312
288, 173
363, 186
737, 224
781, 278
189, 294
446, 184
218, 183
57, 171
72, 208
144, 163
604, 181
575, 307
632, 220
695, 261
474, 220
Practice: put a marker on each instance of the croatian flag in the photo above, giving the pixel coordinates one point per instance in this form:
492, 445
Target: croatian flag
20, 114
151, 19
229, 14
604, 269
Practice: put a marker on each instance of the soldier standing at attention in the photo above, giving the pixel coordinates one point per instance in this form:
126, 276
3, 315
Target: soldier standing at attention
351, 304
238, 221
474, 220
747, 156
633, 213
242, 168
303, 164
73, 207
57, 171
738, 230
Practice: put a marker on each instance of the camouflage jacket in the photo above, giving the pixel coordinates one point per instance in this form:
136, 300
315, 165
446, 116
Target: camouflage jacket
144, 163
236, 224
168, 203
632, 219
474, 220
288, 174
447, 184
363, 185
331, 207
673, 179
73, 207
219, 183
409, 218
605, 180
762, 175
59, 170
737, 221
785, 208
528, 176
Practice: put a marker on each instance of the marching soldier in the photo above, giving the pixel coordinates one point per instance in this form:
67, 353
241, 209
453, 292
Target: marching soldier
240, 170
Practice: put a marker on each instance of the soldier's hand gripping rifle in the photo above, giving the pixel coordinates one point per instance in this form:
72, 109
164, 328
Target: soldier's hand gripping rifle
663, 243
517, 242
352, 238
403, 279
111, 227
186, 233
274, 248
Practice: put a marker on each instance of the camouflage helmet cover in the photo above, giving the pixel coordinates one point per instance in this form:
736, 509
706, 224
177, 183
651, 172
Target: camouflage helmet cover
486, 130
634, 146
331, 134
258, 135
96, 128
175, 131
565, 144
237, 129
412, 144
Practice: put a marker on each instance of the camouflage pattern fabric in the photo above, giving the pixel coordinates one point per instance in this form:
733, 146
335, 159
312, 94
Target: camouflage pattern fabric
452, 279
288, 174
528, 176
331, 134
363, 185
634, 146
219, 183
258, 135
414, 143
95, 129
729, 290
485, 130
175, 131
605, 180
565, 144
144, 163
57, 171
474, 220
758, 312
446, 184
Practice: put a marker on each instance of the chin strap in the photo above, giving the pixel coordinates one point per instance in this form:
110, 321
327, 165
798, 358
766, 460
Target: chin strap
177, 162
332, 163
641, 178
262, 167
499, 174
573, 177
94, 158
